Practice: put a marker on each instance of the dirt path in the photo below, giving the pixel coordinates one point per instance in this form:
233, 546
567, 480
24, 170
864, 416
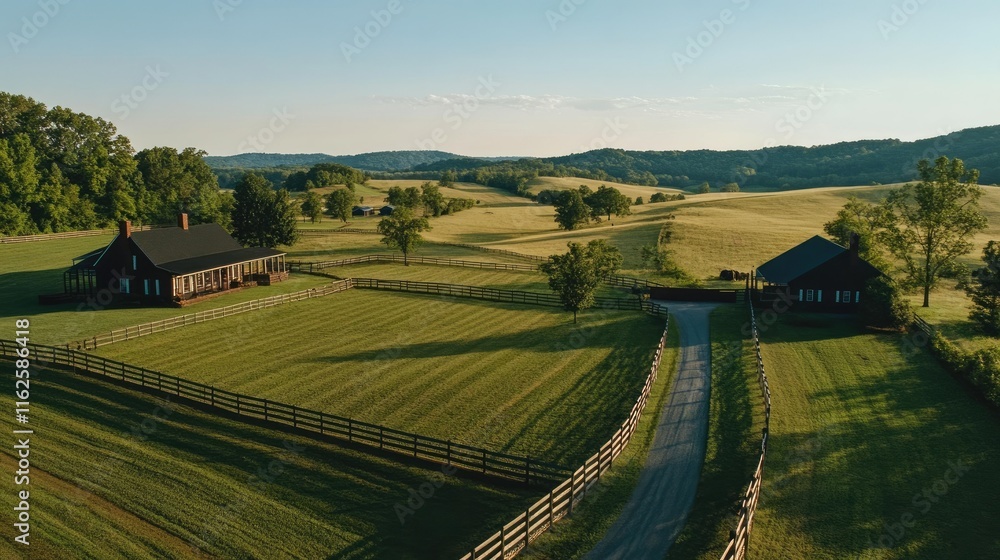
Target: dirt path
658, 508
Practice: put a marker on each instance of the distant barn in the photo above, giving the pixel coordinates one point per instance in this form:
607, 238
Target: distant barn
171, 265
816, 275
363, 211
387, 210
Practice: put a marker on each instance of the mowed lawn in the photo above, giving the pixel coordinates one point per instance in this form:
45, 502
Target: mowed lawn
506, 377
120, 474
875, 451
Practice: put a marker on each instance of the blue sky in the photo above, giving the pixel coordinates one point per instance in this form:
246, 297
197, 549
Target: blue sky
512, 77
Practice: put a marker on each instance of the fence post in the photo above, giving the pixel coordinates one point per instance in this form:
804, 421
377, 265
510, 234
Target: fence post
572, 492
484, 461
448, 455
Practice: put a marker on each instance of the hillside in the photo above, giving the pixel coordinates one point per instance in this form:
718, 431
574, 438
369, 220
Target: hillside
375, 161
862, 162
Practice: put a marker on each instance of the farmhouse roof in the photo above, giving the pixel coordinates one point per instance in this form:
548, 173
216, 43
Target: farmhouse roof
173, 244
218, 260
799, 260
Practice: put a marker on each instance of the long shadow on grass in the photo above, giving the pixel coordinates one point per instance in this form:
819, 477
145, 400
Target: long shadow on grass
352, 493
542, 339
847, 481
19, 292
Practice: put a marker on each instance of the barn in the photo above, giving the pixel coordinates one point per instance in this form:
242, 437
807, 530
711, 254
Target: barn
172, 264
816, 275
387, 210
362, 211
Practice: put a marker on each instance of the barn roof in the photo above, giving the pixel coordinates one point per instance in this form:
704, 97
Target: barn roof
799, 260
169, 245
218, 260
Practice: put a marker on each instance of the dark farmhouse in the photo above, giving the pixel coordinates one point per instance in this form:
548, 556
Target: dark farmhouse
817, 275
172, 264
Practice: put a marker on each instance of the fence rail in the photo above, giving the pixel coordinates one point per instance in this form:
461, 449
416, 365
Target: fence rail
514, 536
298, 266
153, 327
472, 459
507, 296
739, 538
338, 230
66, 235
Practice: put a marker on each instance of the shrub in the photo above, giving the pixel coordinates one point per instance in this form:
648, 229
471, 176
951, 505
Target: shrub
883, 306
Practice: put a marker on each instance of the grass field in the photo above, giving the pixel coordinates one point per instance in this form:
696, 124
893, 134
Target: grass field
118, 474
860, 432
508, 378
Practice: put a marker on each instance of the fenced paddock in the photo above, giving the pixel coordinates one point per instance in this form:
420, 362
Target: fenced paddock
145, 329
514, 536
468, 458
739, 538
66, 235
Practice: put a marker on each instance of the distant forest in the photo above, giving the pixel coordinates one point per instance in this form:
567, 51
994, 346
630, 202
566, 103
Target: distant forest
863, 162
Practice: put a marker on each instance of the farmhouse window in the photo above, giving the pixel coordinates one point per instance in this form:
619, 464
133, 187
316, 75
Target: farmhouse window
124, 286
145, 287
838, 296
819, 296
800, 295
157, 285
847, 296
135, 263
857, 297
809, 295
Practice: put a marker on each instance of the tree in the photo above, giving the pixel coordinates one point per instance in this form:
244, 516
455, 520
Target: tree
576, 274
401, 230
704, 188
658, 197
608, 200
312, 207
883, 306
985, 291
638, 201
932, 223
867, 221
340, 204
448, 178
571, 211
178, 182
730, 187
432, 199
263, 217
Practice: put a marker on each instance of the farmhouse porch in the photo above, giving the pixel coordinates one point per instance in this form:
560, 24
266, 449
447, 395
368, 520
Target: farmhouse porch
258, 271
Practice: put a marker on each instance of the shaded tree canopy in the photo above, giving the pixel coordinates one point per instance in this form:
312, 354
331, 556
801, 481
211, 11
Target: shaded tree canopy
263, 217
575, 275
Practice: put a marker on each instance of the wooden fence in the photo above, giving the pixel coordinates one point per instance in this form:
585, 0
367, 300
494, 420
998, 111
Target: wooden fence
739, 538
146, 329
338, 230
468, 458
696, 294
507, 296
297, 266
66, 235
514, 536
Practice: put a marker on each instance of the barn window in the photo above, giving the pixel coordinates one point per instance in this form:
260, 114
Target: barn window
809, 295
847, 296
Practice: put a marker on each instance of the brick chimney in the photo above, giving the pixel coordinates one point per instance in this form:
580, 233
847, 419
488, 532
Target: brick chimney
182, 220
854, 248
124, 229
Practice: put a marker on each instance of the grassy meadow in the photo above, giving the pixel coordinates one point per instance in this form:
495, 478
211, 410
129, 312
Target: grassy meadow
865, 438
121, 474
510, 378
